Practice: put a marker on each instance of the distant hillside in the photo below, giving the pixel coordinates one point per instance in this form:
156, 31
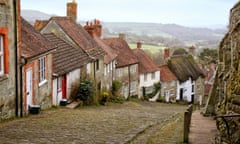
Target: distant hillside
32, 15
170, 35
167, 32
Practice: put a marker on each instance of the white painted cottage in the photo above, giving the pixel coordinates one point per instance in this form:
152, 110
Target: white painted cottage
149, 73
187, 72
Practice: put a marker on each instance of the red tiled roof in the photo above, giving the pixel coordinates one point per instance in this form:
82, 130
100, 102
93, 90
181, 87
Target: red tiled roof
79, 35
125, 54
110, 53
166, 74
66, 57
33, 43
146, 65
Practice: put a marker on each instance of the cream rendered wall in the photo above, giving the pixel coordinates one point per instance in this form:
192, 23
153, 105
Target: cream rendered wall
149, 82
72, 78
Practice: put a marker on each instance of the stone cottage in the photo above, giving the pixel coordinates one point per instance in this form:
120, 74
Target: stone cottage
69, 65
95, 30
37, 68
9, 58
149, 73
126, 66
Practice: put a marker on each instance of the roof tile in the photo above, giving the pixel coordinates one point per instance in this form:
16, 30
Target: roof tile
66, 57
33, 43
125, 54
166, 74
146, 64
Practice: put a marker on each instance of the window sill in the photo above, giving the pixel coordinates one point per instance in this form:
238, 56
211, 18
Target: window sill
42, 83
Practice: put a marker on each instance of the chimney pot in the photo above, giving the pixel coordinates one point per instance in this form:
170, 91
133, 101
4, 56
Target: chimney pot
166, 53
139, 45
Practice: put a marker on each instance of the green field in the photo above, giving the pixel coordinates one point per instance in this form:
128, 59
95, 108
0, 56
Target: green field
152, 48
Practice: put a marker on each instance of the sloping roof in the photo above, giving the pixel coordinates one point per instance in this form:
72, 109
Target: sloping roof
33, 43
184, 66
79, 35
166, 75
66, 57
110, 53
125, 54
146, 64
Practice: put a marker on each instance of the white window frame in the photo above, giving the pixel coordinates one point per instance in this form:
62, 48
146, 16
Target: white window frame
42, 70
1, 55
132, 87
145, 77
153, 75
120, 72
133, 69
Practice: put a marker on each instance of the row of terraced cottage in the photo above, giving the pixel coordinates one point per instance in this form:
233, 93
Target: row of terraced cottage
41, 64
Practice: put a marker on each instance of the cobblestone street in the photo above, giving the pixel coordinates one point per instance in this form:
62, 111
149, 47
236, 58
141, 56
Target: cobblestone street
131, 122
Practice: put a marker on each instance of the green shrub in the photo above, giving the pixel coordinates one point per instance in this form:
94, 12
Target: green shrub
116, 86
105, 98
86, 92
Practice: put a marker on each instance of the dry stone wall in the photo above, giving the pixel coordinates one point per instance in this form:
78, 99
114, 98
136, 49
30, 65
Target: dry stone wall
224, 101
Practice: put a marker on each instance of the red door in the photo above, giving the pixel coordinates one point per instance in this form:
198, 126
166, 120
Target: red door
64, 87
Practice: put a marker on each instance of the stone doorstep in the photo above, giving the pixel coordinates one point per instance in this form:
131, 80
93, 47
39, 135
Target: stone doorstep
74, 104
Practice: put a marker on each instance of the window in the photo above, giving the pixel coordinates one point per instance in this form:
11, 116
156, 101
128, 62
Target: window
120, 72
153, 75
133, 69
133, 86
172, 83
145, 77
97, 64
59, 84
4, 51
172, 92
192, 88
1, 55
105, 69
42, 69
111, 68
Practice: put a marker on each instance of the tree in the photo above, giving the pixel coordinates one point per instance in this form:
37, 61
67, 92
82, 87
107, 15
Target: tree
208, 55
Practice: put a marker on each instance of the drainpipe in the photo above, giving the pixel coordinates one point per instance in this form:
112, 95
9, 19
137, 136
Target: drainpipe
16, 56
21, 90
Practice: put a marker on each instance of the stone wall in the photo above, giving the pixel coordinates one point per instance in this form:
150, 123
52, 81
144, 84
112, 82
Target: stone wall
224, 99
7, 80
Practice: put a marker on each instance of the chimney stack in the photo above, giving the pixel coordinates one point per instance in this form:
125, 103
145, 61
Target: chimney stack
139, 45
122, 36
72, 10
98, 27
89, 28
166, 53
191, 50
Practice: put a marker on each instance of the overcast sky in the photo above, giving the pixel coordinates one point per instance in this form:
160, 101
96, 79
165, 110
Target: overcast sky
183, 12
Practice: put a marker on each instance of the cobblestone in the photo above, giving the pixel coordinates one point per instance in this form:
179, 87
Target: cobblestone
131, 122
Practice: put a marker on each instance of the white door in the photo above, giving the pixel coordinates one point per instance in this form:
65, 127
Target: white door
29, 87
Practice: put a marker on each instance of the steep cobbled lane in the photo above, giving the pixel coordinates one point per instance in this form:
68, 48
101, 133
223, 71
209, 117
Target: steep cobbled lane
131, 122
